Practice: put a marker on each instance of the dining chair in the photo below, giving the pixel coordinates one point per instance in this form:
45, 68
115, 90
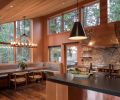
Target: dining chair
18, 78
35, 75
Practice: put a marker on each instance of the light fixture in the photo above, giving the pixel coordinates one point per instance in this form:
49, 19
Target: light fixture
90, 43
19, 43
77, 32
11, 6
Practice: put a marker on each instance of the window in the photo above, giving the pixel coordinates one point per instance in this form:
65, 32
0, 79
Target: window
55, 25
20, 27
23, 53
6, 32
6, 54
69, 19
113, 10
55, 54
71, 56
6, 35
91, 15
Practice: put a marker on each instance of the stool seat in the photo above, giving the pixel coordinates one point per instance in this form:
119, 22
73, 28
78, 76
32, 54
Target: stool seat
36, 76
18, 80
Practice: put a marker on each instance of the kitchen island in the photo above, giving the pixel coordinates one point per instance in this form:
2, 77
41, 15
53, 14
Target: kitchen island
68, 87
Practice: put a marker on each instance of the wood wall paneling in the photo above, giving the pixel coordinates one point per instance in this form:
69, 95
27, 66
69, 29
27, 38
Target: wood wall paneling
45, 41
103, 12
38, 38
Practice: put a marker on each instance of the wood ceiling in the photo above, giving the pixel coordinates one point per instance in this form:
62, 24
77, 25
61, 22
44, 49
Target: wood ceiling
11, 10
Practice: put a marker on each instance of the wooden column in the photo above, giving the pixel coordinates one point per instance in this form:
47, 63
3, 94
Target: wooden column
38, 38
63, 56
103, 12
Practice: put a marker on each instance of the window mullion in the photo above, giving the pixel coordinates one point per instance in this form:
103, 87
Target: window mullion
14, 40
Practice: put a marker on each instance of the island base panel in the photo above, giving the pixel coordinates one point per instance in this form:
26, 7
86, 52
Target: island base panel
56, 91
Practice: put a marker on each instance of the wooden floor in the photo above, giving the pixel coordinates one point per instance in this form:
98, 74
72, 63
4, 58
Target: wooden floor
34, 91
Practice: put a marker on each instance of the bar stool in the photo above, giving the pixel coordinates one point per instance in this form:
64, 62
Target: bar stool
18, 78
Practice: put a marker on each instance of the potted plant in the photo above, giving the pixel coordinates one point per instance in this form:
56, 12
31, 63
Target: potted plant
22, 65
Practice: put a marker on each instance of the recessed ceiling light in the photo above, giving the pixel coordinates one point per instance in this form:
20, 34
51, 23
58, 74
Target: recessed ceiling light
63, 3
11, 6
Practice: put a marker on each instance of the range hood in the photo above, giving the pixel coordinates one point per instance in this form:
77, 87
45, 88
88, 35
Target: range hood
106, 35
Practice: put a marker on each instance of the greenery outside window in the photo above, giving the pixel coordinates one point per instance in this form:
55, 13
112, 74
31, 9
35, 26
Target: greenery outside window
91, 15
69, 19
113, 10
7, 32
55, 54
6, 54
6, 35
55, 25
23, 53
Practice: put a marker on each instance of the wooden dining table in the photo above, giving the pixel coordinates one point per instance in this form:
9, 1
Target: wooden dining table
28, 69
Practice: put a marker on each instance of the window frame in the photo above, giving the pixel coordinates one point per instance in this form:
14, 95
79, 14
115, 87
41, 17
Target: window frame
82, 12
67, 13
48, 28
62, 15
15, 37
108, 20
49, 47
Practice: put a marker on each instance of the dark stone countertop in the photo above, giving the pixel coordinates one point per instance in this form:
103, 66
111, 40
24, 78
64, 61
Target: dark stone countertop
99, 84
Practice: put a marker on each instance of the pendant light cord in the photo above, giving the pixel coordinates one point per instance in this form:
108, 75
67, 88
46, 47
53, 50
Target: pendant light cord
78, 13
24, 25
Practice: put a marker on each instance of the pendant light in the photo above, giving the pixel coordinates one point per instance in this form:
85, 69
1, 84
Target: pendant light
20, 43
77, 32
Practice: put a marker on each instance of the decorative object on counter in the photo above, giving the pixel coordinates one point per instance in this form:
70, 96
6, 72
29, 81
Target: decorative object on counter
111, 73
77, 32
22, 65
80, 72
28, 43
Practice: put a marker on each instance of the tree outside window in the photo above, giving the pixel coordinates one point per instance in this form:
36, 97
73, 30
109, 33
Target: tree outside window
55, 25
69, 19
92, 15
23, 53
113, 10
6, 35
55, 54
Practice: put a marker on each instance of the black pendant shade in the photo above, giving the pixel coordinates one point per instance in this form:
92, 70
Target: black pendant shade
77, 32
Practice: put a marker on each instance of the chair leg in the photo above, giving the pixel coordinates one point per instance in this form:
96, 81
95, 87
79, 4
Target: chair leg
15, 82
9, 77
26, 78
15, 85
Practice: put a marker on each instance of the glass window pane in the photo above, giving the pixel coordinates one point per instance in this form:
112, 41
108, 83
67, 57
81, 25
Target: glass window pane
69, 19
55, 25
23, 53
113, 10
6, 54
92, 15
55, 54
20, 28
6, 32
71, 56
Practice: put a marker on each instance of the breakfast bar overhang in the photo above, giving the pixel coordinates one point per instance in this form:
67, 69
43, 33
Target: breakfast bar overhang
82, 88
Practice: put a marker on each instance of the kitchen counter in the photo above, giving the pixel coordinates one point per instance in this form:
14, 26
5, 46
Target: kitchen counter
99, 84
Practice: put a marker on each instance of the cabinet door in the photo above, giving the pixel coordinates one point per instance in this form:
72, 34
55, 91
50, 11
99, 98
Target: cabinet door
50, 90
62, 92
56, 91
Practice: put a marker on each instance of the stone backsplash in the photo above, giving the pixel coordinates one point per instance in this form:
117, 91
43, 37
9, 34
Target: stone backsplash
103, 56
